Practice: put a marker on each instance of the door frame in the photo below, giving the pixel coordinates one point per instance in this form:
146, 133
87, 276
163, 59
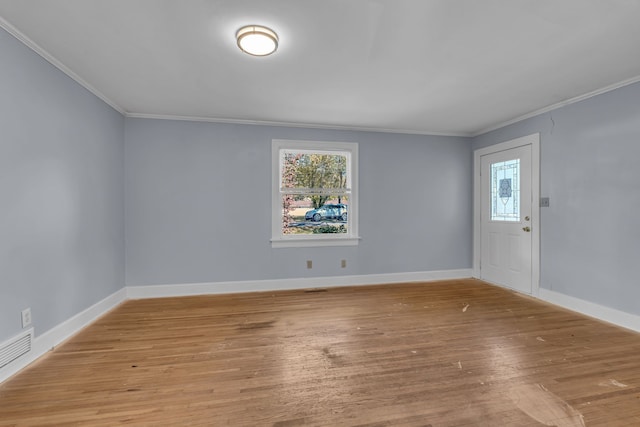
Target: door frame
534, 141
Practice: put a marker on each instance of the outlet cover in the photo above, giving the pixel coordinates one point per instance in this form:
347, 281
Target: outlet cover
26, 317
544, 202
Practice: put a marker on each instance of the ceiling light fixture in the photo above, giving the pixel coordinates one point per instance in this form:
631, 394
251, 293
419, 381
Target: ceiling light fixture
257, 40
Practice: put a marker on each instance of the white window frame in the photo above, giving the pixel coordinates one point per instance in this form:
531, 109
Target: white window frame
281, 240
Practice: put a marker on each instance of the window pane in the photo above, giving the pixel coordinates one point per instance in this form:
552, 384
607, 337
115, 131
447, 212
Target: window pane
505, 191
301, 216
303, 170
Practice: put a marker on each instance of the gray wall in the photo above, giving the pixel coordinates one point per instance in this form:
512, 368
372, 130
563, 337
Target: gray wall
590, 236
61, 186
198, 204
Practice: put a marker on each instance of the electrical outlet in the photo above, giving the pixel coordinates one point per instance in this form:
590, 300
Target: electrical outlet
309, 263
343, 263
26, 317
544, 202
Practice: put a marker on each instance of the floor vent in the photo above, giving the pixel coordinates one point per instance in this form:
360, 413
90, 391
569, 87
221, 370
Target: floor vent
15, 347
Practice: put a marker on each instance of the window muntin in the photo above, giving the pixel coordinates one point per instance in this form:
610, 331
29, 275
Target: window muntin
314, 193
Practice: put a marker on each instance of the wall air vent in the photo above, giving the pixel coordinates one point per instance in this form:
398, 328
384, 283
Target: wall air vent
15, 347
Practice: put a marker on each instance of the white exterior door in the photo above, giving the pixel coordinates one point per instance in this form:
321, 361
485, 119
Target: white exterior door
506, 218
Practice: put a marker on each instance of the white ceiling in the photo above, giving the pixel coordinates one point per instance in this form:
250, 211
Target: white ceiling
456, 67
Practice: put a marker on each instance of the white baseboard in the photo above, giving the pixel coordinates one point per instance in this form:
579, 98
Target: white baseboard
600, 312
161, 291
53, 337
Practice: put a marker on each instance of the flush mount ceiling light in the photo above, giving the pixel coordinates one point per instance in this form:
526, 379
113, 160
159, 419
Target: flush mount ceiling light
257, 40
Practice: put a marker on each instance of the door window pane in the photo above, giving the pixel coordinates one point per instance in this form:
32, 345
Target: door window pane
505, 191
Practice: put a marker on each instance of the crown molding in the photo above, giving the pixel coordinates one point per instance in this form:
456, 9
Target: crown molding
560, 104
291, 124
56, 63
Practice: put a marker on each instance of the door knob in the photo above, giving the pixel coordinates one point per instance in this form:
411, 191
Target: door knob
527, 229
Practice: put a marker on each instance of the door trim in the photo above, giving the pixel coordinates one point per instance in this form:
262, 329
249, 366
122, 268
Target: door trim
534, 141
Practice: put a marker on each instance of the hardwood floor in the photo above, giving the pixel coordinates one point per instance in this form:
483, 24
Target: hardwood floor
454, 353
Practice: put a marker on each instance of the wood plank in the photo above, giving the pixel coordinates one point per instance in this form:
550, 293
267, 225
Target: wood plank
451, 353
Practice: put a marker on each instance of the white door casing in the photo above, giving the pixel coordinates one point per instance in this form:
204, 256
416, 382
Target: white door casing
506, 252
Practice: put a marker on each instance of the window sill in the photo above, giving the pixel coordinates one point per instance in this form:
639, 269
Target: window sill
314, 242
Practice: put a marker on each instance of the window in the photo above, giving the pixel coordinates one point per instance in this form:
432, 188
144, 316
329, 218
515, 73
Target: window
314, 193
505, 191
